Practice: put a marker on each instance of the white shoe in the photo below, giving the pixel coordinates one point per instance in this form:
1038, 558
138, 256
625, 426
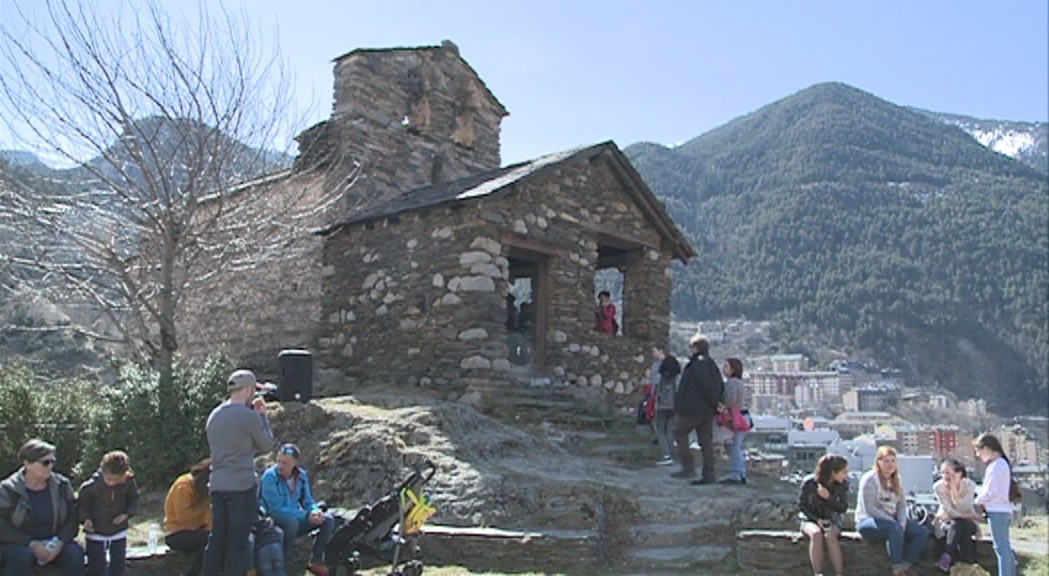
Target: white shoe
665, 462
693, 446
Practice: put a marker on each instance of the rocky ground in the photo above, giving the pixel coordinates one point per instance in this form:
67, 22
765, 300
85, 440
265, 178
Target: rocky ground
531, 460
542, 480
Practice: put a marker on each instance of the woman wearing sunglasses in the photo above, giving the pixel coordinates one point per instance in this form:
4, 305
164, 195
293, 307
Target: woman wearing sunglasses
38, 518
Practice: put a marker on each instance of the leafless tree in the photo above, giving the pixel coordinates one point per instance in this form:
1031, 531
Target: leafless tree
162, 118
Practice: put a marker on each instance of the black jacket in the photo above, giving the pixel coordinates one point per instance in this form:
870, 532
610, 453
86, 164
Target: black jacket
701, 388
101, 504
814, 508
16, 511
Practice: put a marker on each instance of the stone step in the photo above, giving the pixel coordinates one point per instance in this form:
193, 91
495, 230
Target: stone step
676, 559
673, 535
635, 455
567, 421
490, 549
592, 401
710, 510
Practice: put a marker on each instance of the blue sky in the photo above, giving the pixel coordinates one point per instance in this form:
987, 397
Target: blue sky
578, 72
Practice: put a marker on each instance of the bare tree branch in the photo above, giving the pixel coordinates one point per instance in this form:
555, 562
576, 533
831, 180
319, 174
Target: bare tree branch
164, 121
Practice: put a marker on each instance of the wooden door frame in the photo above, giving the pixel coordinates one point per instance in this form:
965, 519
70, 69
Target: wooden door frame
543, 256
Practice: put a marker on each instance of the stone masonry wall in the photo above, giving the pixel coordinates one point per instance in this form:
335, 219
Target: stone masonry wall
262, 293
420, 299
411, 118
554, 210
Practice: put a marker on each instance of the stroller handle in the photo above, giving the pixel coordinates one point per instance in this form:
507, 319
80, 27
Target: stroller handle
418, 478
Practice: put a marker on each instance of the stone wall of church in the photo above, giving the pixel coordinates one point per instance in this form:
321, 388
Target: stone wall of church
420, 298
257, 289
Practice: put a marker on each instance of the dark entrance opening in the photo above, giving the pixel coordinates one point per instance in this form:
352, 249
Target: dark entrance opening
526, 313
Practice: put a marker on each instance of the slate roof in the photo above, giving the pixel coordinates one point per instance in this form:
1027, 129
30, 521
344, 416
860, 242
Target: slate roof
502, 179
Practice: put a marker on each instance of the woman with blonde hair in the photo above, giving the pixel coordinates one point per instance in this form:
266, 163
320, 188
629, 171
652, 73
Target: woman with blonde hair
881, 513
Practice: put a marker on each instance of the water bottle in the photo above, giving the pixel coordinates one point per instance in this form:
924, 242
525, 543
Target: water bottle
51, 544
153, 537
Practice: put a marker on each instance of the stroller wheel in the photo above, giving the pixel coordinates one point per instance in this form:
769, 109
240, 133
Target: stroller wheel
347, 567
414, 568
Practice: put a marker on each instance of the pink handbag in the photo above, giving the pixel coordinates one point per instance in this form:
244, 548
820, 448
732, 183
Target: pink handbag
734, 420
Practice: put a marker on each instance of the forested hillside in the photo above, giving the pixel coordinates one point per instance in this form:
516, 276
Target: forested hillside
871, 227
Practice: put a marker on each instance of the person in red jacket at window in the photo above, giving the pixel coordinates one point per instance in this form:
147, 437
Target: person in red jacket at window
605, 314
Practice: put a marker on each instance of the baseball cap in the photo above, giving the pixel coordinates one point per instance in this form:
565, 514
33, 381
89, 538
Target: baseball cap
240, 379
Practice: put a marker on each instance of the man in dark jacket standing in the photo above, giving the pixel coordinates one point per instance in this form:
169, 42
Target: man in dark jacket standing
695, 406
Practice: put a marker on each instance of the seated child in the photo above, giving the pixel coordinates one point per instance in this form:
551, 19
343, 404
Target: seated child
106, 501
269, 547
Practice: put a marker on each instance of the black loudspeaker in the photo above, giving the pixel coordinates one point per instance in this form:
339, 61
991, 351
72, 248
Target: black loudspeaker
296, 375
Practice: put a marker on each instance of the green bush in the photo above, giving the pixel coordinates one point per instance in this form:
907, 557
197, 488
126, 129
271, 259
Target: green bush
161, 442
17, 414
86, 420
57, 412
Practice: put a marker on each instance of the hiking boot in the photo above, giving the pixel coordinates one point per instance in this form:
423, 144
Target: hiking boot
683, 474
702, 482
731, 481
317, 569
944, 563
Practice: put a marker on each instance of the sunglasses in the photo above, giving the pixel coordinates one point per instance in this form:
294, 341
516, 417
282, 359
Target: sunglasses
289, 451
48, 461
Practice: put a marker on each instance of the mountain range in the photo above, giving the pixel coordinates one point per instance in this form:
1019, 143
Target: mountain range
861, 226
857, 226
1027, 142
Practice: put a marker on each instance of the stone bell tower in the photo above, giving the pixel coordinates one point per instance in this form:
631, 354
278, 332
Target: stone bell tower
404, 118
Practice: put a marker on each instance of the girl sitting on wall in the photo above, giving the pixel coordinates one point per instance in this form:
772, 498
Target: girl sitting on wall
823, 502
956, 519
881, 513
187, 514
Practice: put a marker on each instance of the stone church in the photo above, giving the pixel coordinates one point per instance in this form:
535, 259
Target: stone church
436, 265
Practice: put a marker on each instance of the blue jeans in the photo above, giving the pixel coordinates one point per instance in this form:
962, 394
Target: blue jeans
737, 464
269, 560
18, 559
96, 557
293, 529
999, 522
228, 550
905, 544
664, 426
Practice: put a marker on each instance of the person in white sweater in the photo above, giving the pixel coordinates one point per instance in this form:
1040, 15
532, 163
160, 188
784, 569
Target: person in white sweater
994, 499
881, 513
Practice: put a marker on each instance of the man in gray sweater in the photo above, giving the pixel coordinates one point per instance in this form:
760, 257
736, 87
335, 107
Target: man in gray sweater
237, 430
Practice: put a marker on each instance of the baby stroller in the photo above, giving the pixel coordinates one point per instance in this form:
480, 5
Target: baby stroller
368, 539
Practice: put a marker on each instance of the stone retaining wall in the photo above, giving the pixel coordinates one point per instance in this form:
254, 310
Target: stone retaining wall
784, 553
